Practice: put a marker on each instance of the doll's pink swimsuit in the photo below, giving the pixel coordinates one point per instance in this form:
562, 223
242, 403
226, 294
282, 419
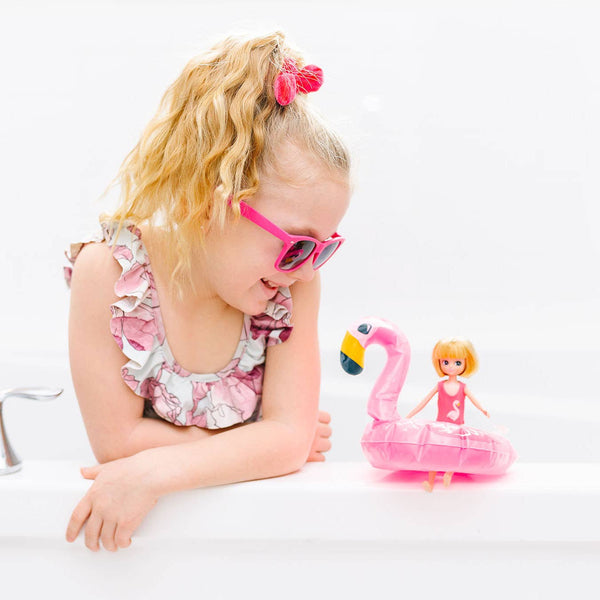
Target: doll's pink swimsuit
451, 408
214, 401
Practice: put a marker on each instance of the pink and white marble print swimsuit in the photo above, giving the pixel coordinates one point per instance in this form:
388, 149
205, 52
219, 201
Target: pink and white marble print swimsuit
212, 401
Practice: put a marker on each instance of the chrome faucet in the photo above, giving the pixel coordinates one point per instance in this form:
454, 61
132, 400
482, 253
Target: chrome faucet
9, 461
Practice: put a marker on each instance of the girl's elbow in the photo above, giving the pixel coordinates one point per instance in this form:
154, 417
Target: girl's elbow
104, 455
295, 464
296, 450
300, 452
299, 458
123, 443
109, 450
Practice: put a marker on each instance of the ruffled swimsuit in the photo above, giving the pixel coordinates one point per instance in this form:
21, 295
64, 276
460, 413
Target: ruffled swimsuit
214, 400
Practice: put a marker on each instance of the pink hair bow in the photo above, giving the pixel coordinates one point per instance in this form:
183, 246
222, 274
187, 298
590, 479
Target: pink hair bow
290, 81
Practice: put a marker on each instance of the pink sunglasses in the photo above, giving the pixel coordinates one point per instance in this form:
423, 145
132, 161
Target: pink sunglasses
297, 249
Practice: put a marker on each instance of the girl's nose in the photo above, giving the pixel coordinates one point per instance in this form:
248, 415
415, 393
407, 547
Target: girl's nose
305, 272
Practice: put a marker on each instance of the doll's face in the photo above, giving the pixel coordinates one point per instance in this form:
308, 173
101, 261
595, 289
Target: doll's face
452, 366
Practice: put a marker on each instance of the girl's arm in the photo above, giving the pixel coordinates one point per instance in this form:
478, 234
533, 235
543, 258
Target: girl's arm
423, 403
111, 411
470, 396
125, 490
280, 443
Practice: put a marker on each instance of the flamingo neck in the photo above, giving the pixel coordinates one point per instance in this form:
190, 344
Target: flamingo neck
384, 396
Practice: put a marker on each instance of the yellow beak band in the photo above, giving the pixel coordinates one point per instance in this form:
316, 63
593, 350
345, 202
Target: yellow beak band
352, 355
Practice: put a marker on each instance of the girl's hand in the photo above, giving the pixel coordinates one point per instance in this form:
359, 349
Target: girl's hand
486, 413
321, 441
115, 505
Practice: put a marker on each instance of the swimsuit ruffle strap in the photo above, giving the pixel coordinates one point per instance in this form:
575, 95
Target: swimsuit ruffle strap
73, 251
132, 324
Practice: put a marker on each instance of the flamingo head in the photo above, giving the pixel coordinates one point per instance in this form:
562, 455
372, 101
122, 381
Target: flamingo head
352, 352
359, 336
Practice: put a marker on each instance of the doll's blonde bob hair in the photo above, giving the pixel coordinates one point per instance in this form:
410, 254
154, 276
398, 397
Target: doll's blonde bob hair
457, 348
217, 125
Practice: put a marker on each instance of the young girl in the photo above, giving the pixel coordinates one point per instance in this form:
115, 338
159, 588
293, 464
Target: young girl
451, 357
231, 201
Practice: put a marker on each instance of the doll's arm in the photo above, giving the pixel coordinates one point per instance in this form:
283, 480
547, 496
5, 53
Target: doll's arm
423, 403
472, 398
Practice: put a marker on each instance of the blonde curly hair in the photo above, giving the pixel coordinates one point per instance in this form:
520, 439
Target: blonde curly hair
217, 125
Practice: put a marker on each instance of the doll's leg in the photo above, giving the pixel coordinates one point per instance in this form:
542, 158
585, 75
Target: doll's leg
448, 478
428, 485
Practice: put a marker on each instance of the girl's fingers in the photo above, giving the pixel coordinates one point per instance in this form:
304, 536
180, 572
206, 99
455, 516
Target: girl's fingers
108, 535
325, 431
322, 445
122, 536
316, 457
324, 417
78, 518
90, 472
92, 532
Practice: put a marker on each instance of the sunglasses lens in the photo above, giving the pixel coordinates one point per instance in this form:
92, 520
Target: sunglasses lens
326, 253
296, 255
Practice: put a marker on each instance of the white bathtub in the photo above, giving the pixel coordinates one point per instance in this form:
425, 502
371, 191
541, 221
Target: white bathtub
340, 527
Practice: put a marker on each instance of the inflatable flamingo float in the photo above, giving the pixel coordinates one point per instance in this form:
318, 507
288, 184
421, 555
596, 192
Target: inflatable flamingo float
394, 443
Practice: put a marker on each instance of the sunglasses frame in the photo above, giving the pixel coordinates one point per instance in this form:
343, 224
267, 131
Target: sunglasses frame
289, 240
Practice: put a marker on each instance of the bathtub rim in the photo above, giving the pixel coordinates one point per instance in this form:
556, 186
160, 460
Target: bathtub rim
533, 502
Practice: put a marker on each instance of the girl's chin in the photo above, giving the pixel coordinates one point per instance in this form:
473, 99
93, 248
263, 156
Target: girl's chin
258, 299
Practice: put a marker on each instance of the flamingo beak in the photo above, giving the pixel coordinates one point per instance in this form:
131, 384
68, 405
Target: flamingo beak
352, 355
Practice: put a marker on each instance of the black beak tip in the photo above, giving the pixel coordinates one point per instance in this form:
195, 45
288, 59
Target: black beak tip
349, 365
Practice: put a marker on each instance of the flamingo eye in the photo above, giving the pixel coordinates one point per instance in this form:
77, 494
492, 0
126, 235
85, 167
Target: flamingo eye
364, 328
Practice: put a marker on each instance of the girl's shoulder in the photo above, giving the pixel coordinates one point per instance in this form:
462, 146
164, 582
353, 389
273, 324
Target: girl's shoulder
127, 248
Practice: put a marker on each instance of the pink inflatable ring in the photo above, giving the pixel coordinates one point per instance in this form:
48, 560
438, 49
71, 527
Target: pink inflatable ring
394, 443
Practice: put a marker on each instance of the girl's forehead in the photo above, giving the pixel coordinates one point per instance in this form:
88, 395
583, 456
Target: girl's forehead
295, 167
291, 161
312, 207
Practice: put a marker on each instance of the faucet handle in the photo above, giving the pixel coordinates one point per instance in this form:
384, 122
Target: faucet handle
9, 461
33, 393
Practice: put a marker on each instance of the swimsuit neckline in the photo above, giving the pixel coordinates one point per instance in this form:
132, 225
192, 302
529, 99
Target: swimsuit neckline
460, 384
172, 361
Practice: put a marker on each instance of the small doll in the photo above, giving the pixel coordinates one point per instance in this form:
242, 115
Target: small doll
451, 357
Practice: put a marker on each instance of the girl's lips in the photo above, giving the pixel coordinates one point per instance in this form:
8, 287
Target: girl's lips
270, 284
270, 290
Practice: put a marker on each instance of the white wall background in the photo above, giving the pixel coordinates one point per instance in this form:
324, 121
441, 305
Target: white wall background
474, 128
